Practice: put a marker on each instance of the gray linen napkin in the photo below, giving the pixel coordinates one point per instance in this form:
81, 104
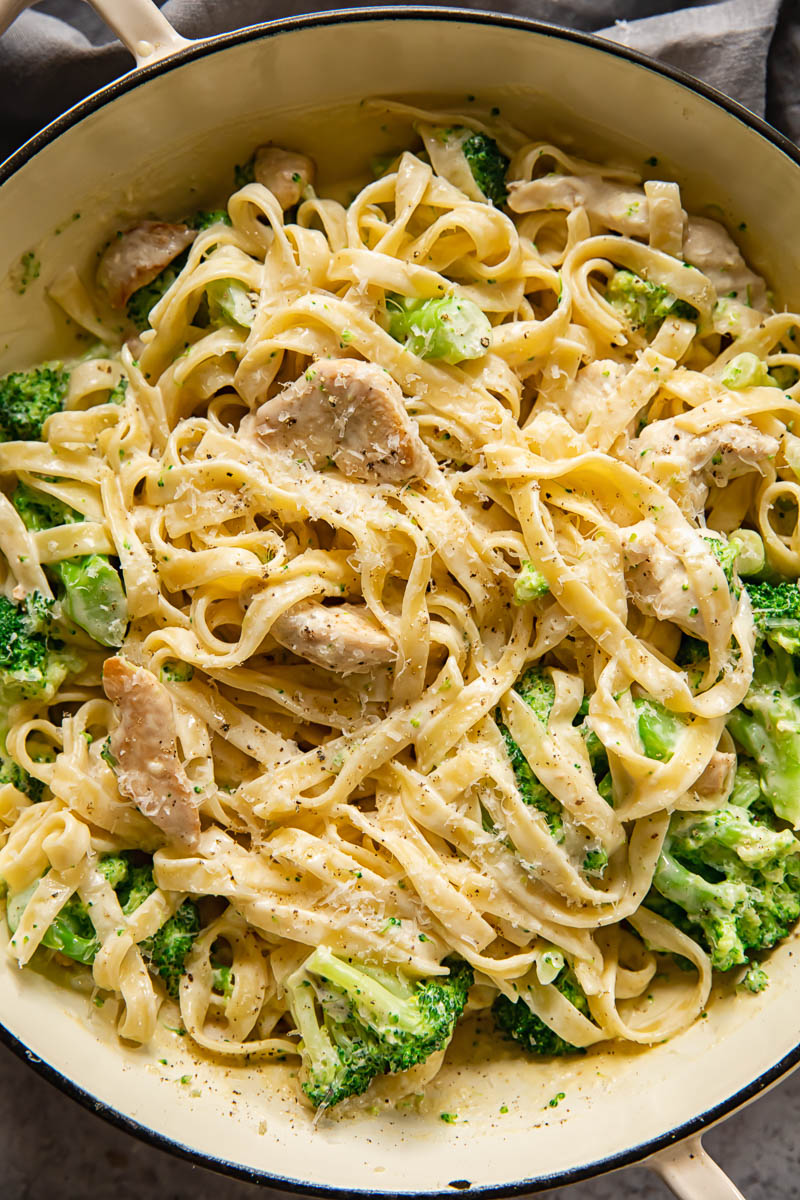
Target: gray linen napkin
750, 49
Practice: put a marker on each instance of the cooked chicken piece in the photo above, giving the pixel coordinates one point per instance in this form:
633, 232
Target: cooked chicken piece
717, 778
342, 638
688, 463
285, 172
346, 412
709, 247
657, 580
143, 744
623, 209
137, 256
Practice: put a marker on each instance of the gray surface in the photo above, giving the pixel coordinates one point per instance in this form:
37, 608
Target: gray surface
50, 1149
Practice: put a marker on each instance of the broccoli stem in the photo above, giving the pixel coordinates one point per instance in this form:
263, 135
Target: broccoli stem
448, 328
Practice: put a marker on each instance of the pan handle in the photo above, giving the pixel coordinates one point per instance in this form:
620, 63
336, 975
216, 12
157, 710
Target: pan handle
691, 1174
139, 24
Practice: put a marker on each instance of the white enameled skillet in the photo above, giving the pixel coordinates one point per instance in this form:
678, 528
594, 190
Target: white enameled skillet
164, 137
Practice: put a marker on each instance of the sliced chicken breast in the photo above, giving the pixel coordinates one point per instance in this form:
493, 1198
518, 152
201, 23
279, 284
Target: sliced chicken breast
144, 747
346, 413
342, 638
137, 256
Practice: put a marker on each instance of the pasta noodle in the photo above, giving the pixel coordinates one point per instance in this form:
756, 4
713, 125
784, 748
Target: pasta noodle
330, 611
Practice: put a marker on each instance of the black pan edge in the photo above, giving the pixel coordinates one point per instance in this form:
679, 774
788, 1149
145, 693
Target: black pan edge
636, 1154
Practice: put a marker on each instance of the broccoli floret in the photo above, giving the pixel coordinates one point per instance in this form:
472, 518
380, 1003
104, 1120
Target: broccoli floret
167, 949
745, 371
776, 613
115, 867
173, 671
72, 932
727, 555
530, 584
12, 772
205, 218
33, 665
734, 879
644, 304
488, 165
144, 299
40, 510
538, 691
244, 173
595, 862
448, 328
659, 729
94, 596
767, 723
755, 980
28, 398
93, 593
222, 980
516, 1021
229, 303
118, 392
165, 952
751, 558
356, 1021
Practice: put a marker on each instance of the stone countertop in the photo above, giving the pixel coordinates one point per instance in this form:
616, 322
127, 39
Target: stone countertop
51, 1148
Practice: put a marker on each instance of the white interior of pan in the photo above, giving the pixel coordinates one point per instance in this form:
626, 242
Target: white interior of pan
169, 145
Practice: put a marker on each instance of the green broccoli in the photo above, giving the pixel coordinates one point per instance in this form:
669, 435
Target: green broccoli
223, 980
448, 329
144, 299
659, 729
244, 173
72, 932
644, 304
93, 592
357, 1021
173, 671
747, 370
538, 691
726, 553
755, 980
530, 584
135, 885
488, 165
751, 557
33, 664
28, 398
205, 218
118, 392
767, 723
229, 303
167, 949
165, 952
733, 878
12, 772
516, 1021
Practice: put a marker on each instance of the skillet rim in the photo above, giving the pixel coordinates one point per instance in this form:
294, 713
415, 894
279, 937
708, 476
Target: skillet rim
135, 78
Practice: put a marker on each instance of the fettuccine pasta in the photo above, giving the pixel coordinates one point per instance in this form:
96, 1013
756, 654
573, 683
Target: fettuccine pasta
419, 509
